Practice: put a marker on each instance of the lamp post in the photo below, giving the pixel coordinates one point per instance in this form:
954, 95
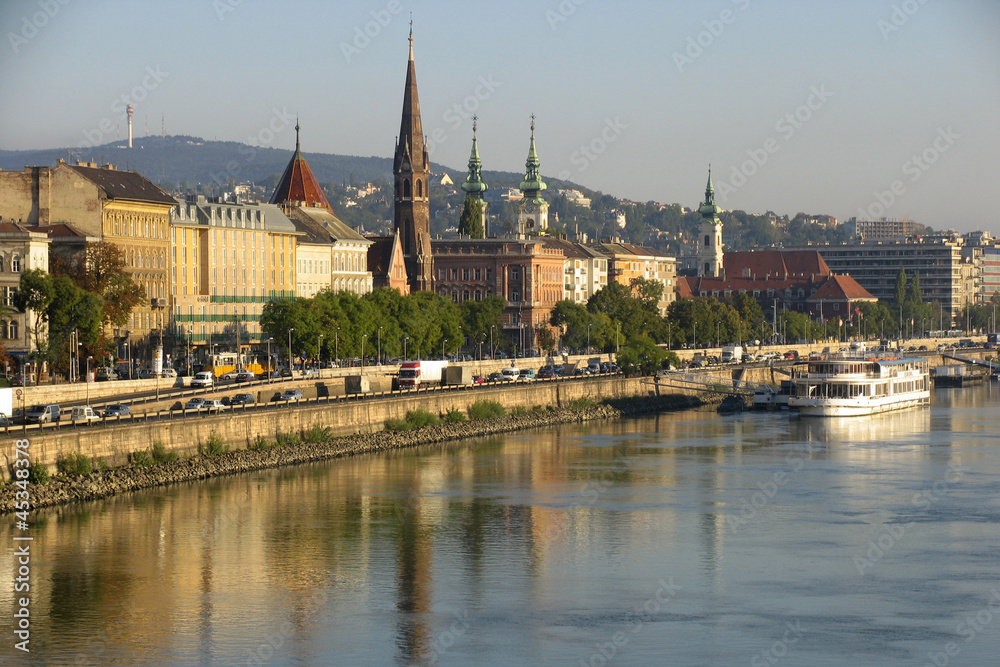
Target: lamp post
405, 338
190, 333
492, 349
87, 380
290, 330
380, 346
363, 336
319, 351
443, 341
588, 337
694, 333
336, 346
268, 371
618, 328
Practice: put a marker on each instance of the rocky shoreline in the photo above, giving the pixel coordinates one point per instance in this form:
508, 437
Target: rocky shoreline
105, 483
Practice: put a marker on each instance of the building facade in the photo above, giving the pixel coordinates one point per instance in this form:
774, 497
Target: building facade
21, 249
626, 262
585, 270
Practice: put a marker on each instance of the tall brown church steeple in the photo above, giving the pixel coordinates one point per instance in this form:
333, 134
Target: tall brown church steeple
411, 168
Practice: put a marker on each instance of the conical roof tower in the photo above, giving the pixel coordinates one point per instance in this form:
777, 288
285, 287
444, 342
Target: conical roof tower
298, 184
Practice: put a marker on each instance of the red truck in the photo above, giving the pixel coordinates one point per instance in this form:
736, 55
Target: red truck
413, 374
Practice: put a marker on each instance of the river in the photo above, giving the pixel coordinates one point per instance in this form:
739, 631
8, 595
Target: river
682, 539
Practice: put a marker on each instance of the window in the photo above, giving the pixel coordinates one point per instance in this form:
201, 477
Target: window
15, 264
479, 295
2, 264
708, 241
406, 188
454, 296
12, 333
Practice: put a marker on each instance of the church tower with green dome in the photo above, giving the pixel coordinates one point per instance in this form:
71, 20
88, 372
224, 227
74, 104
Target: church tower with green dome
710, 235
474, 186
533, 211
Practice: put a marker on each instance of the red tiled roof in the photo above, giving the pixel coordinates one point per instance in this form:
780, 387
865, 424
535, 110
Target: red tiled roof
298, 183
774, 264
842, 288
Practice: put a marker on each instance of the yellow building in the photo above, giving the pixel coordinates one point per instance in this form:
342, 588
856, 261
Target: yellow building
227, 261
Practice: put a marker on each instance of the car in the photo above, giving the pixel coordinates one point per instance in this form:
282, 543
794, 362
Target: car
242, 399
268, 375
792, 354
146, 375
582, 370
15, 381
5, 421
117, 410
310, 373
84, 414
213, 405
547, 372
229, 377
510, 373
495, 377
749, 357
478, 379
922, 348
203, 379
526, 374
767, 356
195, 403
168, 373
245, 376
43, 414
104, 374
291, 395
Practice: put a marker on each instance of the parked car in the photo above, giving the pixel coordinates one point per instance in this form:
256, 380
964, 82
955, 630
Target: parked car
43, 414
495, 377
146, 375
195, 403
245, 376
268, 375
117, 410
213, 405
203, 379
83, 413
792, 354
229, 377
105, 373
5, 421
526, 374
168, 373
291, 395
242, 399
510, 373
582, 370
478, 379
546, 372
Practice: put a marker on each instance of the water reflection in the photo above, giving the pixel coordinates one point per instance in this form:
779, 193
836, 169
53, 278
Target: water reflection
525, 549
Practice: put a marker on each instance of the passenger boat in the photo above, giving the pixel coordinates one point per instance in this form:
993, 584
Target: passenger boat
857, 382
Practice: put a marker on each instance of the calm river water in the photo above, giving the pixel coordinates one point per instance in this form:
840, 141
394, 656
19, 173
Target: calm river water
683, 539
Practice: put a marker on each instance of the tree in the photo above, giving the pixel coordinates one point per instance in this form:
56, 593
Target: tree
72, 309
479, 316
101, 270
471, 221
641, 356
34, 293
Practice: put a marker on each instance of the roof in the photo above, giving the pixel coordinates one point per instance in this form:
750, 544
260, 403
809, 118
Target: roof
617, 248
122, 184
842, 288
570, 249
775, 264
380, 255
298, 183
319, 226
62, 230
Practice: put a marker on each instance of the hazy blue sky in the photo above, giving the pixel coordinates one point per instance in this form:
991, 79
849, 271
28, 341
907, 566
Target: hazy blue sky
834, 100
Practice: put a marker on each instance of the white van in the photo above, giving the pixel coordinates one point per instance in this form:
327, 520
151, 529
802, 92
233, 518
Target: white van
83, 413
510, 373
203, 379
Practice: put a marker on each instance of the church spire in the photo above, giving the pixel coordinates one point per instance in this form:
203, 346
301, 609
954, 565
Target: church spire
411, 171
710, 253
532, 183
474, 184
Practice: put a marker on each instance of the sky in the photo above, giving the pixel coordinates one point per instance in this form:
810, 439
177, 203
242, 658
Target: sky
865, 108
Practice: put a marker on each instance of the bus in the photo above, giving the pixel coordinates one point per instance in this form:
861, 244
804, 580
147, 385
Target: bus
223, 362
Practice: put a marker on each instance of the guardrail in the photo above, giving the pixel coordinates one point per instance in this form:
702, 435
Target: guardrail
183, 413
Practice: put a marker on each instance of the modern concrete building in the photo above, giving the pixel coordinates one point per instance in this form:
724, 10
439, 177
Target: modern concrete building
585, 270
878, 230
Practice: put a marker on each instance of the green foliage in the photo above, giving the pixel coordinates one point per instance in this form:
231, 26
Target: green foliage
141, 458
317, 434
486, 410
213, 446
582, 403
38, 473
641, 356
398, 425
35, 293
74, 464
260, 443
518, 410
161, 454
479, 316
421, 418
101, 464
286, 439
454, 416
471, 221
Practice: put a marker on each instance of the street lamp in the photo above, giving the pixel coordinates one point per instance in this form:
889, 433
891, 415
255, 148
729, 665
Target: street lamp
588, 337
493, 351
319, 351
268, 371
336, 346
190, 334
363, 336
618, 328
87, 379
290, 330
443, 341
405, 338
380, 346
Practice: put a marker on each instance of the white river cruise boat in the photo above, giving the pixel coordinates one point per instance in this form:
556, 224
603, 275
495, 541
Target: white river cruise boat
859, 383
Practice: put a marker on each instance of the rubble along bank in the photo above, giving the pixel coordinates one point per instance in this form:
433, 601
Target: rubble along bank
105, 483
